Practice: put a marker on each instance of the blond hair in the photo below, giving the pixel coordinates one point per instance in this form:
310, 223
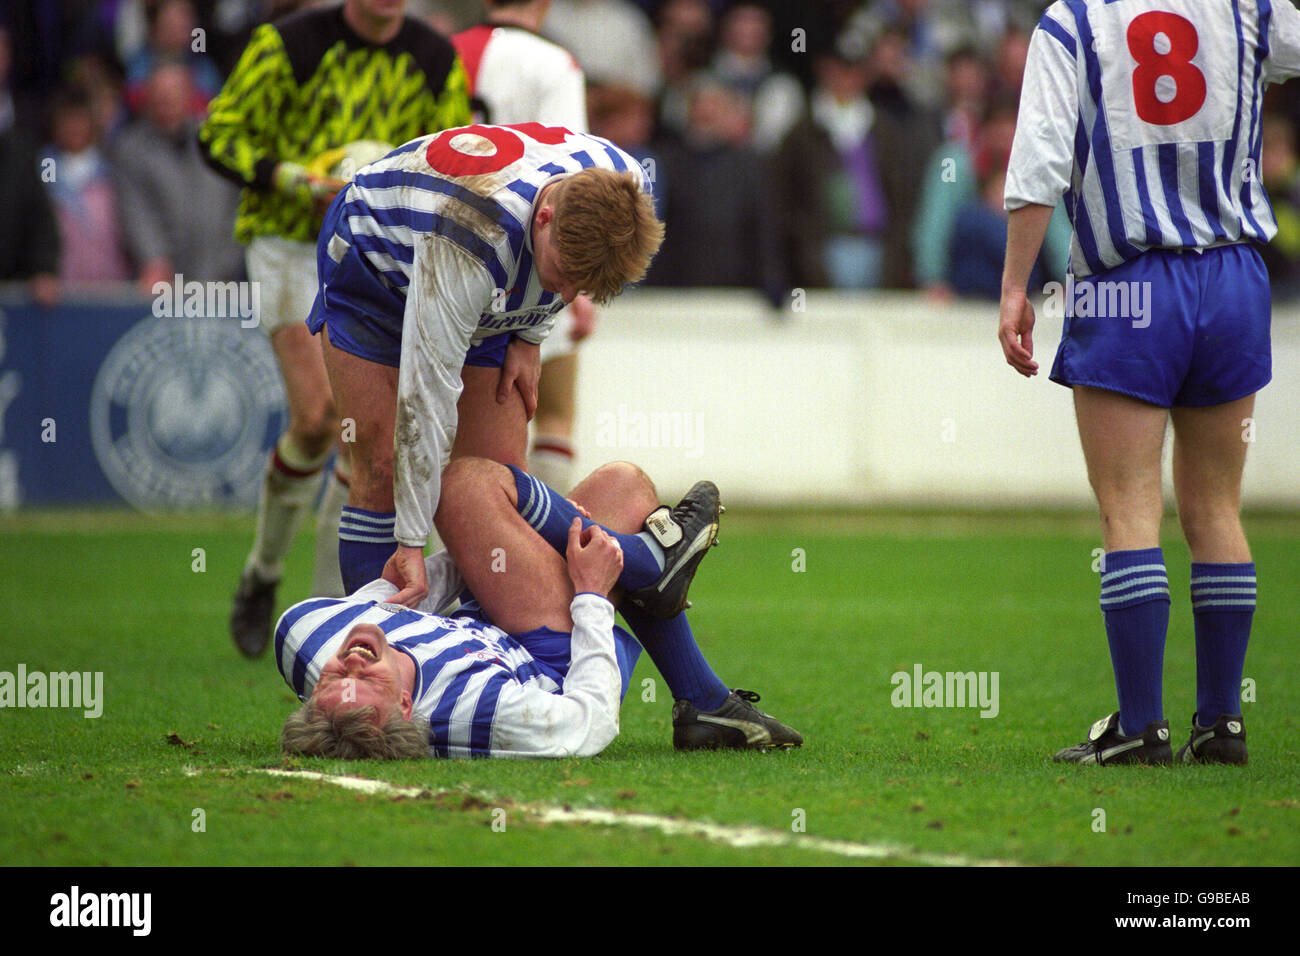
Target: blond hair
351, 734
605, 230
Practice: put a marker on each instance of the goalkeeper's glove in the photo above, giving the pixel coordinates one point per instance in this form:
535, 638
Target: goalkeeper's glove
293, 179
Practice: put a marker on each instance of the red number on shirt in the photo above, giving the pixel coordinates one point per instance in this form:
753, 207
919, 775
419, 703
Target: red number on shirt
1176, 64
446, 159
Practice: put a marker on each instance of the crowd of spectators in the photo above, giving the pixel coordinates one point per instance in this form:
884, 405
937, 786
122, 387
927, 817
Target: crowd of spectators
851, 144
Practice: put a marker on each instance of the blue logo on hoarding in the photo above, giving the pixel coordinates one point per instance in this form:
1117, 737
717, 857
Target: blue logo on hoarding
181, 411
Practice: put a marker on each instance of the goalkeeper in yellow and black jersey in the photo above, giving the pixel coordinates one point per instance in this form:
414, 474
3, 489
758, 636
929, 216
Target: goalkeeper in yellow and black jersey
313, 96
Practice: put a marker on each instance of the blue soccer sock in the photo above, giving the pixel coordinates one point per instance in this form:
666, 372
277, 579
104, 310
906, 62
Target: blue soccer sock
550, 514
671, 646
1223, 606
1135, 599
366, 542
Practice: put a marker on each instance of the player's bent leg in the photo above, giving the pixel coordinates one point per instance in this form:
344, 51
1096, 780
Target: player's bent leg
366, 396
617, 495
290, 484
485, 427
521, 582
1209, 458
1122, 438
544, 511
313, 420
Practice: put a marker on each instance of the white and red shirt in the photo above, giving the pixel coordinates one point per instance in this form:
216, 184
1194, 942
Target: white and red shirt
521, 77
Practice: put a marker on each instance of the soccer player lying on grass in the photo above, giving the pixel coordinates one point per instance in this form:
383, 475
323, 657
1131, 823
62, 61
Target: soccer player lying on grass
532, 663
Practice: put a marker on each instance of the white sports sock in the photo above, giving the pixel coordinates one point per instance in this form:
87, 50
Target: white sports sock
327, 579
288, 490
551, 462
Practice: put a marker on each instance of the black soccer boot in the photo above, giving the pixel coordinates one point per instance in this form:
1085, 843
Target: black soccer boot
685, 533
1106, 745
736, 725
250, 613
1224, 741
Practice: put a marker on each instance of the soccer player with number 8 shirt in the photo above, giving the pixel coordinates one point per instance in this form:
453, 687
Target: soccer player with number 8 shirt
1144, 117
455, 252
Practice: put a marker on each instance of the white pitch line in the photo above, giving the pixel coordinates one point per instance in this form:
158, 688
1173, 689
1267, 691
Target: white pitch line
363, 784
742, 837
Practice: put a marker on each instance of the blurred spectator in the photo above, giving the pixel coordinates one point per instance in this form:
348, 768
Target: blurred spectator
612, 40
979, 235
993, 18
719, 227
1280, 168
50, 34
841, 179
103, 85
1009, 63
177, 214
966, 82
172, 40
909, 133
29, 232
85, 199
929, 29
776, 99
627, 119
228, 24
950, 183
685, 43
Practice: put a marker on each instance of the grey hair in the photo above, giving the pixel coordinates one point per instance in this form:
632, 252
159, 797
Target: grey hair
351, 735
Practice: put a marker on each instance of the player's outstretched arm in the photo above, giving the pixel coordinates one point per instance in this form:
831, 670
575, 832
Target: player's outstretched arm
1026, 227
238, 129
449, 290
522, 369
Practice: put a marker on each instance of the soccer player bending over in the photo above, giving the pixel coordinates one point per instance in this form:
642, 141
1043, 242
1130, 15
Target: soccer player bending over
306, 85
1145, 117
442, 267
532, 663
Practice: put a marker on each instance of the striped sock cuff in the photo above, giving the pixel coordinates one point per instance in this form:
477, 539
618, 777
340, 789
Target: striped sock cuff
1223, 587
1133, 577
534, 498
369, 527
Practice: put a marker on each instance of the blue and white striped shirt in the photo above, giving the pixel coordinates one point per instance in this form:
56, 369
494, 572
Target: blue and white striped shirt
1145, 116
474, 186
479, 692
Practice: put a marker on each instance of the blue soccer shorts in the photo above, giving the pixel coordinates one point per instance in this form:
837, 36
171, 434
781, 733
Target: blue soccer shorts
364, 311
552, 649
1171, 327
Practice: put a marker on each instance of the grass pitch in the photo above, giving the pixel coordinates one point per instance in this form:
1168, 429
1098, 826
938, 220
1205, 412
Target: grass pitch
817, 612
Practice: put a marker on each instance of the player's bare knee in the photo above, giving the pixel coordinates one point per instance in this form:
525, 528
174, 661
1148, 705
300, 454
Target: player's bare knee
315, 429
469, 479
1207, 525
626, 476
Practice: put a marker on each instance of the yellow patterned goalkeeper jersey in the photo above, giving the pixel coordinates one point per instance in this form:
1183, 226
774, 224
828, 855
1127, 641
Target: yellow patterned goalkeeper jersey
306, 84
